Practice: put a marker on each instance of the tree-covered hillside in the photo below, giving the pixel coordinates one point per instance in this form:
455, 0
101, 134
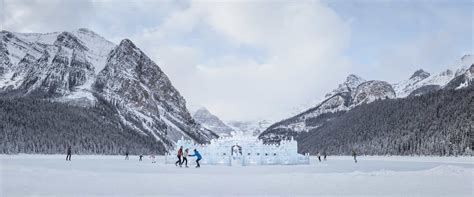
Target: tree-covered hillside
439, 123
38, 126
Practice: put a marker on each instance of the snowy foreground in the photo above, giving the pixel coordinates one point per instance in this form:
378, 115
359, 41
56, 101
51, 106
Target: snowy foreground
51, 175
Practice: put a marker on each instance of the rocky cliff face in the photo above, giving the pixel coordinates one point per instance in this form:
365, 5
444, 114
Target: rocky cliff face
80, 67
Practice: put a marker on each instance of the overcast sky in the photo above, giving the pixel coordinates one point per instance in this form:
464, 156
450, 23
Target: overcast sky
246, 60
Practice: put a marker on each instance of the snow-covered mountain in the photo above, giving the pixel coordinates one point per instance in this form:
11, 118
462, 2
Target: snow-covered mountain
212, 122
352, 92
81, 67
356, 91
422, 82
253, 128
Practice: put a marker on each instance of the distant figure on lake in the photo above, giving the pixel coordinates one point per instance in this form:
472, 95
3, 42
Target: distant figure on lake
325, 155
141, 156
126, 155
69, 152
319, 157
198, 157
354, 154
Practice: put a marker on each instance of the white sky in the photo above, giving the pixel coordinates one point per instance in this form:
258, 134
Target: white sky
246, 60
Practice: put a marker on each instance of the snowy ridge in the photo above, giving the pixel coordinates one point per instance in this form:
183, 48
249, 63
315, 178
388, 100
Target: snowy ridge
351, 93
438, 81
356, 91
249, 128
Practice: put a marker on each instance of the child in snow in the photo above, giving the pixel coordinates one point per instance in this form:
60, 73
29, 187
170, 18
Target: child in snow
152, 156
198, 157
69, 152
354, 154
185, 159
180, 154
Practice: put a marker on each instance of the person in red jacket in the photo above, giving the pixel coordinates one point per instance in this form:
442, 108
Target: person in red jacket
180, 153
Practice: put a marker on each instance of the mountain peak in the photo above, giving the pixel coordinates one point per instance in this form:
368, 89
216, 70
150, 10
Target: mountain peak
466, 57
353, 77
352, 81
202, 110
421, 74
127, 43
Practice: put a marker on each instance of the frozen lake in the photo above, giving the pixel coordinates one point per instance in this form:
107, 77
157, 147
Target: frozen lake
51, 175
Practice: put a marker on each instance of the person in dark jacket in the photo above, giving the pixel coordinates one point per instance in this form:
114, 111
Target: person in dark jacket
141, 156
69, 153
126, 155
180, 154
198, 157
354, 154
325, 155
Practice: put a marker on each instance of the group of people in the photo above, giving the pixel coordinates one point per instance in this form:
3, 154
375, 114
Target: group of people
324, 155
183, 157
354, 155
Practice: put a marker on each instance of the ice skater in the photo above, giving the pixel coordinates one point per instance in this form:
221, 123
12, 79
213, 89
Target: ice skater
198, 157
319, 157
152, 157
69, 153
140, 157
126, 155
354, 154
325, 155
180, 154
185, 159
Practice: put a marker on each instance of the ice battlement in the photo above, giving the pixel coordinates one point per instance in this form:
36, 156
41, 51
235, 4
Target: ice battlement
243, 150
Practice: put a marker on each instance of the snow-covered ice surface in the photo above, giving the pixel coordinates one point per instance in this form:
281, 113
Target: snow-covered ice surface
51, 175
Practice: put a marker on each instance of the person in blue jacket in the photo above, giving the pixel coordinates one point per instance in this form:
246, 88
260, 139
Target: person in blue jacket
198, 157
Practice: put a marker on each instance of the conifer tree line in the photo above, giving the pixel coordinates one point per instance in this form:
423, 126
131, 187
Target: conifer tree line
39, 126
439, 123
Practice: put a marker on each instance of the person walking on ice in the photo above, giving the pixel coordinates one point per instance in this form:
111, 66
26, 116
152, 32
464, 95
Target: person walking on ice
152, 156
126, 155
325, 155
180, 154
69, 152
140, 157
354, 154
185, 159
198, 157
319, 157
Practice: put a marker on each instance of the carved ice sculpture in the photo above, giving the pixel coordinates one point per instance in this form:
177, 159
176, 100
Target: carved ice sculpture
242, 150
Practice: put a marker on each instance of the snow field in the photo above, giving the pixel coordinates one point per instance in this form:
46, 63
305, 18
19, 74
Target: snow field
51, 175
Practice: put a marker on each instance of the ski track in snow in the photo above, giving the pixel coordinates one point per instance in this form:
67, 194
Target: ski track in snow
95, 175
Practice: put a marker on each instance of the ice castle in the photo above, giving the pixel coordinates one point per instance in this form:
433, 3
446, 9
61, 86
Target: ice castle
242, 151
